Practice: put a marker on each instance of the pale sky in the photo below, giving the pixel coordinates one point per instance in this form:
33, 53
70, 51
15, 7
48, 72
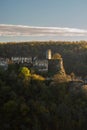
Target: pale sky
25, 20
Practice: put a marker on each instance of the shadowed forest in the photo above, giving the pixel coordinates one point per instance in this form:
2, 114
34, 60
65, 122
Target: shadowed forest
29, 101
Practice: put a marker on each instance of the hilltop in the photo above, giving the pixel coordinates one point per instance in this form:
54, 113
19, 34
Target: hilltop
74, 53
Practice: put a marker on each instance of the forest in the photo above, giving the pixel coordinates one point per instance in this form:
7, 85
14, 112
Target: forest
29, 101
74, 53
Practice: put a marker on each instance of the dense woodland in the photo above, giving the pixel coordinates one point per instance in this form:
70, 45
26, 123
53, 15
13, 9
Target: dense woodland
29, 101
74, 53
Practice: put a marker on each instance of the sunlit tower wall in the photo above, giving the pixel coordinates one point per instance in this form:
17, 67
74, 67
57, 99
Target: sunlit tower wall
48, 54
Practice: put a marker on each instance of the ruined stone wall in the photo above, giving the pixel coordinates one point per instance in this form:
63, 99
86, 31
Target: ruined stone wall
55, 66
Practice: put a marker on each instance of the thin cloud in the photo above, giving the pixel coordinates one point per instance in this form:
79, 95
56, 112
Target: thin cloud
20, 30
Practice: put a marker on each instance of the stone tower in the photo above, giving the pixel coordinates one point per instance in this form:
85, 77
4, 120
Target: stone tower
48, 54
55, 65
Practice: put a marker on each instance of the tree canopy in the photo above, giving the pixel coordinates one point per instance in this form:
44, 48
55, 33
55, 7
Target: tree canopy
24, 72
56, 56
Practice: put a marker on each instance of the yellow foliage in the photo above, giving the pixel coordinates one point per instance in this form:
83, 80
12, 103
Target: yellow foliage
38, 77
24, 72
56, 56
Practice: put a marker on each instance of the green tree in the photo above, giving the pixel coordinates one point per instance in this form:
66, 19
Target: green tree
24, 76
24, 72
